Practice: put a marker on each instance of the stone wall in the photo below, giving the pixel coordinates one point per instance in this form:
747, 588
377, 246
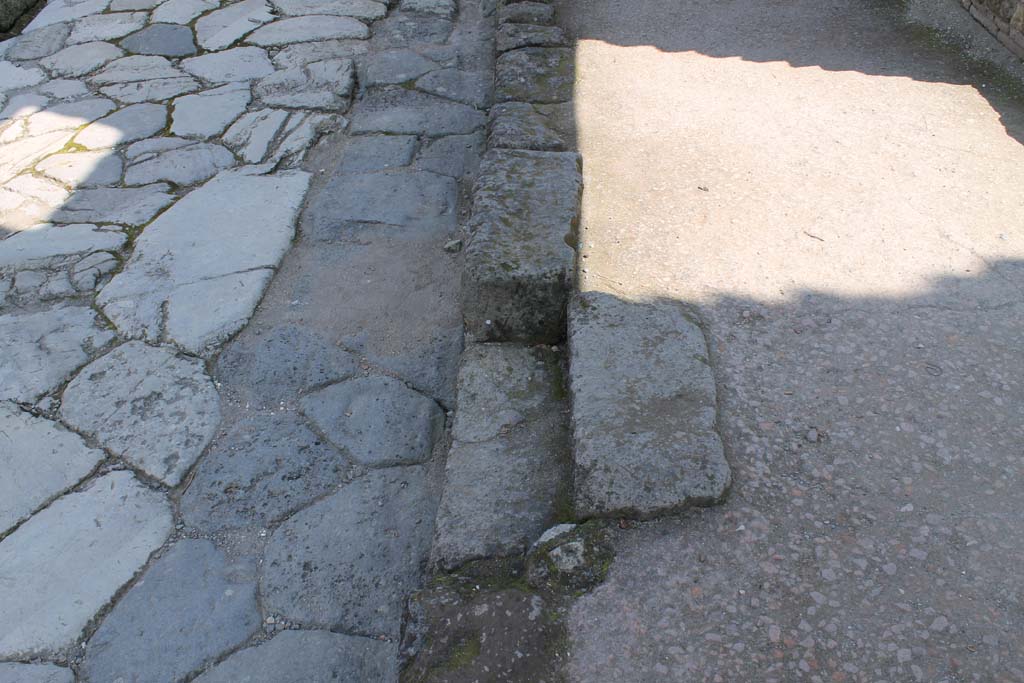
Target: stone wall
1003, 18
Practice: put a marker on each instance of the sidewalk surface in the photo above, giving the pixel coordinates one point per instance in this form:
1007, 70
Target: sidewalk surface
839, 198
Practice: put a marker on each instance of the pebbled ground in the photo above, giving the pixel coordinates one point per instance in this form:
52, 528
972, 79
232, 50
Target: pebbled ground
836, 195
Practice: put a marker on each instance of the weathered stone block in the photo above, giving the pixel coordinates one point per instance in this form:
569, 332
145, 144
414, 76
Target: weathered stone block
534, 74
515, 36
518, 265
519, 125
644, 406
509, 456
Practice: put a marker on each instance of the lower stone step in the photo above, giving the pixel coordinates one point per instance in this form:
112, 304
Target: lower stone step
507, 467
644, 407
516, 281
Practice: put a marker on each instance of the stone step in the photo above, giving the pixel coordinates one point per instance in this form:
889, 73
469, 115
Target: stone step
644, 407
508, 464
518, 268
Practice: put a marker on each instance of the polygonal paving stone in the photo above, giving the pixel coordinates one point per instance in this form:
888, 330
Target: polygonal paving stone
267, 368
236, 64
41, 43
170, 40
190, 606
67, 561
122, 205
349, 561
360, 9
391, 67
78, 60
469, 87
199, 270
208, 113
455, 156
135, 68
182, 166
377, 152
48, 245
43, 348
397, 110
251, 135
64, 89
395, 197
261, 470
35, 673
39, 459
310, 27
127, 125
317, 51
320, 85
83, 169
12, 77
147, 404
379, 421
106, 26
65, 10
181, 11
219, 29
155, 90
307, 656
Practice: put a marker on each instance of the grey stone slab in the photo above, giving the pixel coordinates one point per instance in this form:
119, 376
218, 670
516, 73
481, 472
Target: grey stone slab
208, 113
66, 562
66, 116
401, 30
509, 458
135, 68
125, 206
515, 36
400, 111
16, 157
526, 13
300, 54
236, 64
78, 60
83, 169
260, 471
307, 28
379, 421
106, 26
320, 85
644, 407
441, 8
126, 125
181, 11
40, 459
64, 89
40, 43
49, 245
534, 74
516, 282
42, 349
13, 77
65, 10
124, 5
217, 30
147, 149
35, 673
169, 40
148, 405
200, 268
520, 125
266, 368
252, 134
182, 166
156, 90
456, 156
395, 197
469, 87
360, 9
390, 67
307, 656
190, 606
377, 152
349, 561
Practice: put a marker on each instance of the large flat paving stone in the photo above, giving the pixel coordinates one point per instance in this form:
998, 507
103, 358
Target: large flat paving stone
379, 421
509, 458
217, 30
191, 605
265, 368
35, 673
519, 263
169, 40
644, 409
42, 349
348, 561
148, 405
49, 245
39, 459
66, 562
393, 197
307, 28
541, 75
306, 656
132, 206
208, 113
261, 470
200, 268
407, 112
